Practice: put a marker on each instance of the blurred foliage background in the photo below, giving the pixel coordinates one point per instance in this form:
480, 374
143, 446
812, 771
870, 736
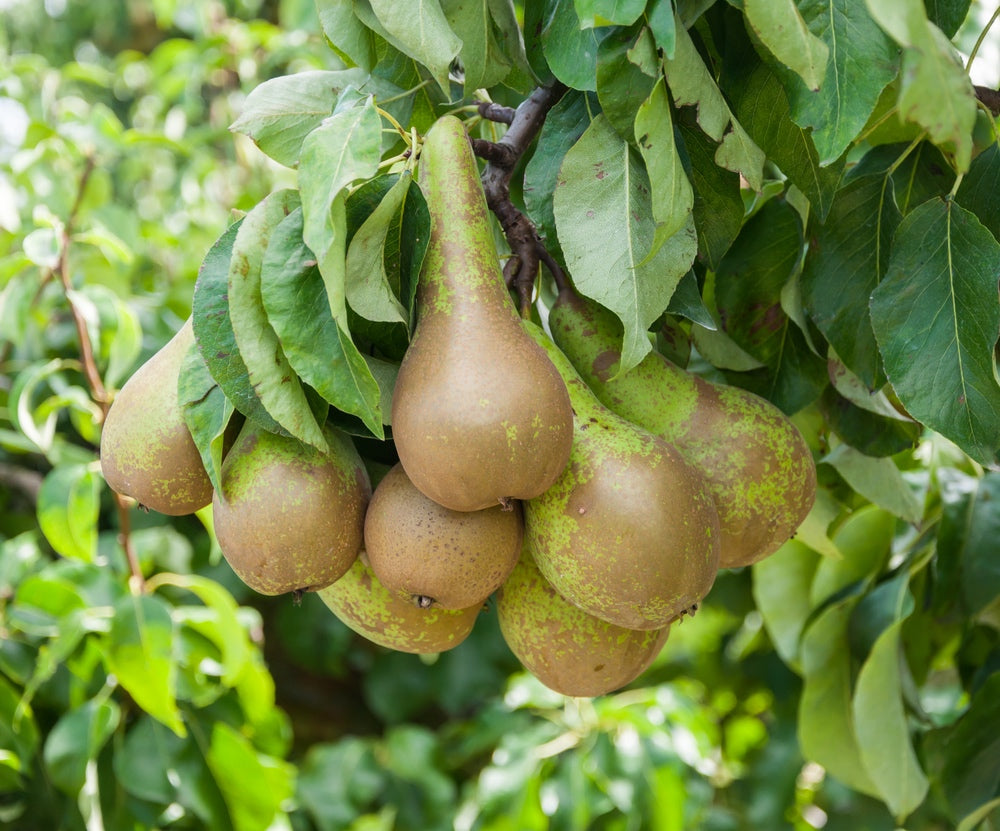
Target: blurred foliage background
117, 173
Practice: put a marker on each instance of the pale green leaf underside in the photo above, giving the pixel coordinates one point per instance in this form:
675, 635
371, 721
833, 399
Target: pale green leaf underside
779, 24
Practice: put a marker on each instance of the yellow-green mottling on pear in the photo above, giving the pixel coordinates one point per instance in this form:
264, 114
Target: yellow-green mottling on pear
289, 517
565, 648
147, 451
479, 415
385, 618
758, 467
420, 549
629, 532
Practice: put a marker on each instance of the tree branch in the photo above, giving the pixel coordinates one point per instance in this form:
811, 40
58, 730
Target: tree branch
990, 97
501, 157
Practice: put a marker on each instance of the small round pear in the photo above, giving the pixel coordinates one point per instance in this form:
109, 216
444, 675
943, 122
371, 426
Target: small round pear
147, 451
386, 618
566, 649
289, 517
421, 549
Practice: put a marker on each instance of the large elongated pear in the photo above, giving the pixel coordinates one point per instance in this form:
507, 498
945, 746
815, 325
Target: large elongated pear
758, 466
629, 531
479, 415
385, 618
565, 648
146, 449
288, 517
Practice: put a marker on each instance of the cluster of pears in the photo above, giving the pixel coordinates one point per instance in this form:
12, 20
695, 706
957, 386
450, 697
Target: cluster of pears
595, 506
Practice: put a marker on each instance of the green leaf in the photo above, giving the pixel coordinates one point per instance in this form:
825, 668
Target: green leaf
980, 188
318, 347
621, 85
943, 263
254, 786
877, 479
77, 738
883, 734
279, 113
935, 92
948, 15
347, 34
345, 148
779, 24
422, 32
145, 761
825, 718
67, 509
367, 284
271, 375
660, 19
672, 197
213, 332
862, 62
692, 84
966, 541
571, 52
865, 540
848, 257
140, 656
781, 593
609, 12
483, 61
207, 412
604, 219
762, 108
870, 433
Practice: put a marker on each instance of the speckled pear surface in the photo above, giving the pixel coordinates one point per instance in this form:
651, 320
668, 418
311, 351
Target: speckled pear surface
629, 532
566, 649
288, 517
363, 604
479, 415
146, 449
420, 549
758, 466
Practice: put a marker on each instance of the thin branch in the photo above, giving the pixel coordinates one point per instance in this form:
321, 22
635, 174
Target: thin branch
497, 112
501, 157
989, 97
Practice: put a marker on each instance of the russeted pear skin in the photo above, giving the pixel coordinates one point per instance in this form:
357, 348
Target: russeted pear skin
147, 451
759, 468
479, 415
629, 532
289, 517
422, 550
385, 618
566, 649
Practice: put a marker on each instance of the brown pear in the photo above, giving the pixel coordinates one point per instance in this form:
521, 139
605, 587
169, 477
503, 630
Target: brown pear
434, 555
758, 467
479, 415
289, 517
629, 531
363, 604
566, 649
147, 451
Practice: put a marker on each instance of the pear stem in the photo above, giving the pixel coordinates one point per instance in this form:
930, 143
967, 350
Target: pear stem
502, 156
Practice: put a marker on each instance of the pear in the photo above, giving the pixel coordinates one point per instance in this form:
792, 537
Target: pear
363, 604
565, 648
147, 451
435, 555
759, 468
289, 517
628, 532
479, 415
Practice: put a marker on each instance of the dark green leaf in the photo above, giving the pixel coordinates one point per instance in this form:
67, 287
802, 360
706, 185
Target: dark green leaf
75, 740
603, 216
848, 257
966, 540
317, 346
271, 374
214, 332
207, 412
145, 761
337, 782
621, 85
948, 15
867, 432
687, 302
762, 108
980, 189
571, 52
944, 262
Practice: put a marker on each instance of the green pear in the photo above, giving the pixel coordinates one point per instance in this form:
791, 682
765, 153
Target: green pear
759, 468
629, 531
289, 517
479, 415
386, 618
565, 648
426, 552
147, 451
